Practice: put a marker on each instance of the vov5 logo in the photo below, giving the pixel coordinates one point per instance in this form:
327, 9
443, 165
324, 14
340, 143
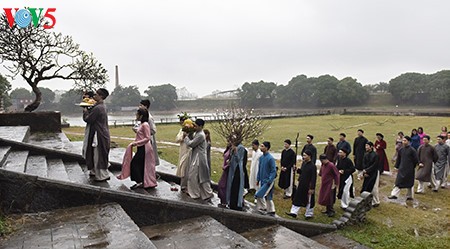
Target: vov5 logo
24, 17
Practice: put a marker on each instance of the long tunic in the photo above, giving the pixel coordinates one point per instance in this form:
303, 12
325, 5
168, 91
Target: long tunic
371, 165
246, 178
331, 152
359, 149
427, 156
313, 149
198, 173
443, 152
381, 146
143, 136
348, 167
406, 163
235, 182
288, 160
329, 174
151, 122
97, 120
254, 168
267, 173
184, 154
222, 185
306, 181
415, 141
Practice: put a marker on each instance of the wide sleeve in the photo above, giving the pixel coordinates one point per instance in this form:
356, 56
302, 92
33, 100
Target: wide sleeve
312, 184
196, 141
179, 138
399, 158
258, 176
273, 170
336, 174
373, 167
293, 158
350, 168
143, 135
92, 115
383, 144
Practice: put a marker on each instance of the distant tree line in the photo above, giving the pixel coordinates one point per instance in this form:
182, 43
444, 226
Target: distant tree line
328, 91
301, 91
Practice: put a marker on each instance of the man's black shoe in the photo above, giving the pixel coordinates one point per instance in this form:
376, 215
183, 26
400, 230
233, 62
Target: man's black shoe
292, 215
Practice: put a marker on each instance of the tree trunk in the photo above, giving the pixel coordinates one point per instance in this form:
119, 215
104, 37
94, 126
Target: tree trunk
33, 106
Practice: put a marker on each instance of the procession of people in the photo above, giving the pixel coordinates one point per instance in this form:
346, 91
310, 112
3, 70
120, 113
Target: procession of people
415, 158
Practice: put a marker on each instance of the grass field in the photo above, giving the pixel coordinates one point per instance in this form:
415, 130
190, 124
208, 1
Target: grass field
423, 223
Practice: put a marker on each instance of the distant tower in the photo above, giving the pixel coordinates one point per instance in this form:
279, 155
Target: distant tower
117, 76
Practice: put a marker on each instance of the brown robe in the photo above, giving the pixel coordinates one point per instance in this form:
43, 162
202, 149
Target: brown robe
427, 155
97, 119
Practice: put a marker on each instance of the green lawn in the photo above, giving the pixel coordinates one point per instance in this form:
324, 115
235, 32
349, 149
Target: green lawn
422, 224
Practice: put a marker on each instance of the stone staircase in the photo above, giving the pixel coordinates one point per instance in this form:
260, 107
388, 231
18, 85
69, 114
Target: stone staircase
199, 232
206, 232
99, 226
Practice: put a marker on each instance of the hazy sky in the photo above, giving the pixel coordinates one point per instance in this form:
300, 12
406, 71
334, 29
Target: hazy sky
207, 45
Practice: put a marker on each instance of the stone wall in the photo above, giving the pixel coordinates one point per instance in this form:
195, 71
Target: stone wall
26, 193
38, 121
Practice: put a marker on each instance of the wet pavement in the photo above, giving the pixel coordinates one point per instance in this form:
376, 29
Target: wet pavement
202, 232
280, 237
103, 226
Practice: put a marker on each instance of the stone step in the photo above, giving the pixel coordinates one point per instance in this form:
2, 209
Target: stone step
4, 151
16, 161
56, 170
280, 237
15, 133
75, 173
100, 226
36, 165
202, 232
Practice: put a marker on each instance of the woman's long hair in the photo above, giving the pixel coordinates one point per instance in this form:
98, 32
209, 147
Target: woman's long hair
144, 113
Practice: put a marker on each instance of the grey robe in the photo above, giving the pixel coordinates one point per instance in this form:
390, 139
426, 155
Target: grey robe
443, 152
151, 122
199, 179
406, 163
427, 156
97, 120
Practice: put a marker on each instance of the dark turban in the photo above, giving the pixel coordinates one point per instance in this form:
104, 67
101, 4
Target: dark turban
145, 102
200, 122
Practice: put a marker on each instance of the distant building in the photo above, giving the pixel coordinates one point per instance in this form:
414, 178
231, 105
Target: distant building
230, 94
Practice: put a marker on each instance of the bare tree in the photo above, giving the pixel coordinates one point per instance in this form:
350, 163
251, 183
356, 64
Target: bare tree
237, 125
39, 54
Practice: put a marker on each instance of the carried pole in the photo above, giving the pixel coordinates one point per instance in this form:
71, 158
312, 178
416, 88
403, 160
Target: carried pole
294, 187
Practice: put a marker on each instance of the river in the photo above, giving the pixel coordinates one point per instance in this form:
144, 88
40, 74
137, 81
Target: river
123, 119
